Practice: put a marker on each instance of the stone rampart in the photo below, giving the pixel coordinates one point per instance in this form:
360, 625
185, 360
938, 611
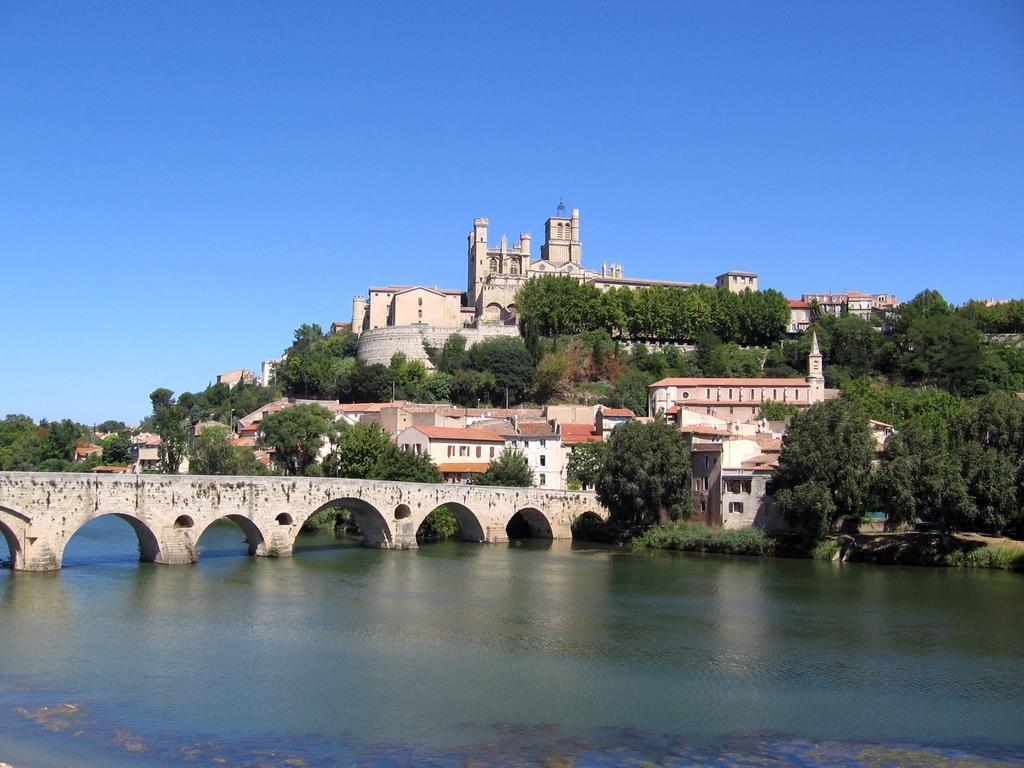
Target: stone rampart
380, 344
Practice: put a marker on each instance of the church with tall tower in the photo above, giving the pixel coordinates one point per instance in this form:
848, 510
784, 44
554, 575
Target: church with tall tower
496, 273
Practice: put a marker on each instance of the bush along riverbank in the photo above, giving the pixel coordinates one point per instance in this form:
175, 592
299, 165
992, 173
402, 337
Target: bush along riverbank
912, 548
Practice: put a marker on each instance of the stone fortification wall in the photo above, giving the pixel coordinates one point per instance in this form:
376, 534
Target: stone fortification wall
380, 344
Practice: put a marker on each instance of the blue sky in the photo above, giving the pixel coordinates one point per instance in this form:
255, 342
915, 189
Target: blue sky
182, 184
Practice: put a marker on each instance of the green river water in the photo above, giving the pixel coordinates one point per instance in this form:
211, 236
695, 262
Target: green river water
534, 653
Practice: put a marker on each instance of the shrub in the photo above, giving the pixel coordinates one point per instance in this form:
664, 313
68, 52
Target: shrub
698, 538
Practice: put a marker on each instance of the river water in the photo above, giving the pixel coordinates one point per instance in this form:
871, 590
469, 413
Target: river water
534, 653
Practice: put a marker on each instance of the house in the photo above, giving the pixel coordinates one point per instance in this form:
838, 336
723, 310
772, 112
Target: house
460, 453
542, 447
881, 432
608, 419
84, 450
145, 451
730, 479
111, 469
799, 316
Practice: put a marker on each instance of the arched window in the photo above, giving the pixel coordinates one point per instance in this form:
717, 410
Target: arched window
514, 269
494, 264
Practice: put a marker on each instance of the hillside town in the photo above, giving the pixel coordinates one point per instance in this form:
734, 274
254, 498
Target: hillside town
733, 425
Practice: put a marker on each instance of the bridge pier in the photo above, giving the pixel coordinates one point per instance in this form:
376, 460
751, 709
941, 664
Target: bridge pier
404, 536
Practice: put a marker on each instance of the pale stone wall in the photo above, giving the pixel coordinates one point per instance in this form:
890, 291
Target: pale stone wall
379, 345
40, 512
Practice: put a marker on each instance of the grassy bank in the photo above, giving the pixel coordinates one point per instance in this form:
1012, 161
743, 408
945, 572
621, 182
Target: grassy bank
926, 549
932, 549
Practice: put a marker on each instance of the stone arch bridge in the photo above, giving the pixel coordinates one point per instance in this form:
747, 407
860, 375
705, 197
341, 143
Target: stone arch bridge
40, 512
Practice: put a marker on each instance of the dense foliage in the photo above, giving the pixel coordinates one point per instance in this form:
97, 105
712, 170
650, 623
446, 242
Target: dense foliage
699, 538
645, 476
824, 469
555, 305
213, 454
510, 469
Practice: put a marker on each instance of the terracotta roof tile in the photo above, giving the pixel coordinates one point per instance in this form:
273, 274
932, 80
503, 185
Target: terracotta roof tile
457, 433
462, 466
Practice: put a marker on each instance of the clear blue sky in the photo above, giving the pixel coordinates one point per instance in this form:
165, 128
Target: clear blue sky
182, 184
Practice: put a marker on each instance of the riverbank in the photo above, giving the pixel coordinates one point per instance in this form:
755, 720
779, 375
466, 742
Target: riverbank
906, 548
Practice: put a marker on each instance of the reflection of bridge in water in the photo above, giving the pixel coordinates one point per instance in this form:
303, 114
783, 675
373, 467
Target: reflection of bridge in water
40, 512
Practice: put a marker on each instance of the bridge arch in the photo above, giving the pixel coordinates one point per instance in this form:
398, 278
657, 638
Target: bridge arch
9, 536
529, 523
254, 538
149, 544
375, 527
470, 527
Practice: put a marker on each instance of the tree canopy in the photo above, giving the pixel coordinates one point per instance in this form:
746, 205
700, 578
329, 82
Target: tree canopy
645, 475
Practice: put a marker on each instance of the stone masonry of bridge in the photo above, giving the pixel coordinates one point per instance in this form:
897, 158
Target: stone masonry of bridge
40, 512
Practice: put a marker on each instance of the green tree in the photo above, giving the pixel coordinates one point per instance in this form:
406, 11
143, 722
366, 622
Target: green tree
20, 440
825, 467
296, 435
919, 479
117, 448
775, 411
509, 469
171, 423
511, 364
404, 466
358, 450
629, 390
646, 475
212, 454
586, 464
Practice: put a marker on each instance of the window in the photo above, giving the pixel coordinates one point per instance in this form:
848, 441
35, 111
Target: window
479, 451
463, 450
543, 443
730, 393
735, 507
775, 394
543, 460
419, 313
419, 301
686, 395
709, 394
451, 451
492, 451
704, 483
703, 505
543, 480
707, 462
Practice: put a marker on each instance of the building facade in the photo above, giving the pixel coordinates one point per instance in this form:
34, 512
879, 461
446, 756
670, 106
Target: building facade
739, 399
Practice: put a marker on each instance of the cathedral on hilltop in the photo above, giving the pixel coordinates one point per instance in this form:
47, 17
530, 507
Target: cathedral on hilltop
495, 275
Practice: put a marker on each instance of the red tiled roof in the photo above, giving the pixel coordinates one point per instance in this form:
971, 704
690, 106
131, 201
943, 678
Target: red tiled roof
536, 429
761, 461
798, 304
580, 433
699, 381
462, 466
768, 443
109, 469
457, 433
617, 412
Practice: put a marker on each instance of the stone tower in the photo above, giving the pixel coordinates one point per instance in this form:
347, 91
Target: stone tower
358, 314
477, 259
815, 377
562, 237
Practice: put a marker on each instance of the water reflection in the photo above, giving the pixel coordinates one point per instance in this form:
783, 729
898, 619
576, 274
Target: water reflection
586, 654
